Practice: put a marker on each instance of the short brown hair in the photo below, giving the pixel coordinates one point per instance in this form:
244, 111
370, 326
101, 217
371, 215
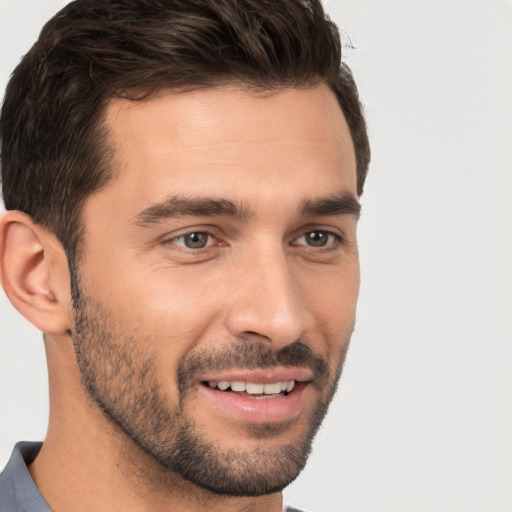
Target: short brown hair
54, 148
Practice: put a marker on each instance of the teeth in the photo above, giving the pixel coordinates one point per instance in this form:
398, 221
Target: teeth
272, 389
253, 388
223, 385
237, 386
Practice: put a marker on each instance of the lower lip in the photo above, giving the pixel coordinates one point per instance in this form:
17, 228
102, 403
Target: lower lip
259, 410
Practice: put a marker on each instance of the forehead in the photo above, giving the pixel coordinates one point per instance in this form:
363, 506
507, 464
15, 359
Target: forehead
230, 143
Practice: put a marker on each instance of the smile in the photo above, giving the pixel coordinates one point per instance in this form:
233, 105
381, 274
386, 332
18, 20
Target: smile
254, 389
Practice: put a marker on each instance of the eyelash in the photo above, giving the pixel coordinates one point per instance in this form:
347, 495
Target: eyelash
338, 239
190, 233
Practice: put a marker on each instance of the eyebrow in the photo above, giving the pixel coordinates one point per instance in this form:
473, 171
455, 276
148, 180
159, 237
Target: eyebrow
343, 203
181, 206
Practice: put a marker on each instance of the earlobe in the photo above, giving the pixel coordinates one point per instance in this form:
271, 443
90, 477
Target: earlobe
34, 273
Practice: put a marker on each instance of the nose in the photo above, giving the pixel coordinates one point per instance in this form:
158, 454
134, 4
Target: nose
268, 302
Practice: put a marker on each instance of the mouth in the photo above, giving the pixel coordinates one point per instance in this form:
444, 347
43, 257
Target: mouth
255, 390
257, 396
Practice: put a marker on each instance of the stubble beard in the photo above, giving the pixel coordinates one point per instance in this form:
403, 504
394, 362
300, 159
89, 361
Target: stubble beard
120, 378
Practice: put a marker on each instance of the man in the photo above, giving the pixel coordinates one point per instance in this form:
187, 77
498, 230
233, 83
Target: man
181, 182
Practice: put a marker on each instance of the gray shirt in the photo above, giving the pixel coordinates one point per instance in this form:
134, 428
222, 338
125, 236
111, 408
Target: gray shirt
18, 492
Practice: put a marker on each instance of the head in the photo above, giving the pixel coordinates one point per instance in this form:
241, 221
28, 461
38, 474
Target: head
199, 163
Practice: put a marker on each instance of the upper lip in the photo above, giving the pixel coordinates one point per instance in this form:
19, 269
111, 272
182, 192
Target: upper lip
260, 375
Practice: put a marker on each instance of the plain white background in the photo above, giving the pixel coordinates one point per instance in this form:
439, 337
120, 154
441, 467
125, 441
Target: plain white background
423, 418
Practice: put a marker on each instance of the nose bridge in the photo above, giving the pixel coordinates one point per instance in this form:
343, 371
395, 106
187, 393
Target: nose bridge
269, 301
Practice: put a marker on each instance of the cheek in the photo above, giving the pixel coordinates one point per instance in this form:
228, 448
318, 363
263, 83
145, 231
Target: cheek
332, 292
332, 303
173, 311
163, 313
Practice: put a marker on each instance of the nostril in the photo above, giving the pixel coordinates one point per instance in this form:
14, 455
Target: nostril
254, 336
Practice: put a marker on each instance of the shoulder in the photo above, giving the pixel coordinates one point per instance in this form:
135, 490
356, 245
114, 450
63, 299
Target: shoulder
18, 492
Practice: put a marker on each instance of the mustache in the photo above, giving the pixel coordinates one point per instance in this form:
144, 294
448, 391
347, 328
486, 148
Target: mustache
251, 355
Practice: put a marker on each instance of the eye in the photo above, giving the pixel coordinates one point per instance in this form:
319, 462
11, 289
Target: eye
196, 240
317, 238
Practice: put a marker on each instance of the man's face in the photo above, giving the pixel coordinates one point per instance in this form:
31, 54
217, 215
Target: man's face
218, 280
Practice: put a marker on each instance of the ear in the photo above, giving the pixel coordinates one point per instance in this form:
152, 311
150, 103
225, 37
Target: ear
34, 273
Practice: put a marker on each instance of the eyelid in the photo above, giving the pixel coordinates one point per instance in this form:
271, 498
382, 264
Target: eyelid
171, 239
328, 244
209, 242
339, 238
216, 239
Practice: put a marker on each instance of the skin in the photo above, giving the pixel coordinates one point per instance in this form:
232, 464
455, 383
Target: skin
256, 282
